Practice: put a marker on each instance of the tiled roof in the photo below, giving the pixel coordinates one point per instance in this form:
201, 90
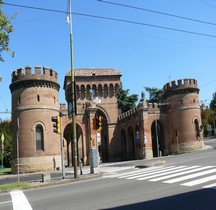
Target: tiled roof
94, 71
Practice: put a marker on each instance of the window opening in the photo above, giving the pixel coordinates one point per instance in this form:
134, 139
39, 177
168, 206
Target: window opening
39, 138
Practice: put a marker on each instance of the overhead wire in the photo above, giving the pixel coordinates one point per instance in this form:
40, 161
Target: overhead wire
157, 12
114, 19
208, 4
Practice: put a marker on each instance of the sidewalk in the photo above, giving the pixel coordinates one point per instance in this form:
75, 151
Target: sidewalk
51, 177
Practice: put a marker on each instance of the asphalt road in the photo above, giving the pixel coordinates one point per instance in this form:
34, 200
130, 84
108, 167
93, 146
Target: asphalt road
121, 190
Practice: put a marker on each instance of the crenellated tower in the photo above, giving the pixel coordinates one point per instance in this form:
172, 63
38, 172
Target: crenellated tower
34, 102
183, 115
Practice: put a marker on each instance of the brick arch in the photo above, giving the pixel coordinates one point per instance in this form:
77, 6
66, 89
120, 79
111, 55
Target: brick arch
158, 141
131, 143
34, 127
196, 126
123, 145
111, 90
104, 135
81, 146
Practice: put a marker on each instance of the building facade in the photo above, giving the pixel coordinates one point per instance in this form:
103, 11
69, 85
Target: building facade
147, 131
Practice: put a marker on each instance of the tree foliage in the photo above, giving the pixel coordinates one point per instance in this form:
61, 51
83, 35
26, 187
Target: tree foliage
126, 101
6, 29
208, 114
155, 94
5, 129
213, 102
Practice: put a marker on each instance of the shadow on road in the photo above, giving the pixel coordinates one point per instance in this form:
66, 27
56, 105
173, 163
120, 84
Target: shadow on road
204, 199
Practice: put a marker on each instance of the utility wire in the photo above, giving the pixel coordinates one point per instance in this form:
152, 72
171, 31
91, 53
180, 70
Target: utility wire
208, 4
146, 24
116, 19
157, 12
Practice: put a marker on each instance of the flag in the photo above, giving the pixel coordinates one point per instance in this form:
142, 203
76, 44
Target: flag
2, 138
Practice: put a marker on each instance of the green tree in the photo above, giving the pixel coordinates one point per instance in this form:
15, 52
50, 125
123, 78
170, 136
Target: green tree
155, 95
5, 129
6, 29
204, 117
212, 114
126, 101
212, 104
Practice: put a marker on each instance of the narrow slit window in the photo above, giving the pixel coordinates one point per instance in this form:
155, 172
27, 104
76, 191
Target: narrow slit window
39, 138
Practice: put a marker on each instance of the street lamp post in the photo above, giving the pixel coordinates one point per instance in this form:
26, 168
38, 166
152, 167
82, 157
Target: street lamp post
69, 19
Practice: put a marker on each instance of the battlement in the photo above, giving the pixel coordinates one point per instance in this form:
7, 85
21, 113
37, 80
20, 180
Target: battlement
153, 107
181, 84
127, 114
44, 73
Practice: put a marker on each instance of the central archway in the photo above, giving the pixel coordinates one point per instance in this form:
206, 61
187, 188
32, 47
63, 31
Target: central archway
158, 144
131, 142
103, 143
68, 146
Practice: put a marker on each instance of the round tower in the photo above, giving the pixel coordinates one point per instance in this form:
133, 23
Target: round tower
34, 101
183, 115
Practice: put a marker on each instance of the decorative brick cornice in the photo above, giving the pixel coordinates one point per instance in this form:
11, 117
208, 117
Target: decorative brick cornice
34, 83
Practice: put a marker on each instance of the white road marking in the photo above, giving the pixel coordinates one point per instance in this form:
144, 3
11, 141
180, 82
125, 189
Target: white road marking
190, 176
212, 186
5, 202
20, 201
200, 181
196, 175
179, 168
188, 171
144, 172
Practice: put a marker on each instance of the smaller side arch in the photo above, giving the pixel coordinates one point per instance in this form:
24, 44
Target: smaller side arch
196, 127
39, 135
123, 145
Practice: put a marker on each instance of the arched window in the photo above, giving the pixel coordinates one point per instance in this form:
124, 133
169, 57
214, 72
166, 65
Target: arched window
39, 138
94, 91
196, 124
111, 90
82, 92
105, 91
100, 91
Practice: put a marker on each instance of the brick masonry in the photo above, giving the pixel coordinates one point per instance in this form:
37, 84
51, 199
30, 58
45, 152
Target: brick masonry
127, 136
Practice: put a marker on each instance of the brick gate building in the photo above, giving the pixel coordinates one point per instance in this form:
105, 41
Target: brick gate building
147, 131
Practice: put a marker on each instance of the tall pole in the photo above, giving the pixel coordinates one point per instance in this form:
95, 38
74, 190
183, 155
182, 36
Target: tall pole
2, 139
73, 95
18, 178
62, 148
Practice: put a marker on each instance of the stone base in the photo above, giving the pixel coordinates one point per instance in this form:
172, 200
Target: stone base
147, 153
37, 164
186, 147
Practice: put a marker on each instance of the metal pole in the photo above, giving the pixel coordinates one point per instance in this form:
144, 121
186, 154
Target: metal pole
2, 153
73, 96
18, 178
177, 142
62, 148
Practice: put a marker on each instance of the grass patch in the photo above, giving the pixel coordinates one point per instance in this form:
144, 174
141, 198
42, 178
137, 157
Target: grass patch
5, 171
13, 186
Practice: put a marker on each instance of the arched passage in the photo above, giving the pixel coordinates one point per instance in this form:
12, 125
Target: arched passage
69, 144
123, 145
158, 144
131, 148
103, 138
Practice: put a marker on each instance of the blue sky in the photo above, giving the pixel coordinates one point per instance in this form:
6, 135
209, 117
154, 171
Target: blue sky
145, 55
